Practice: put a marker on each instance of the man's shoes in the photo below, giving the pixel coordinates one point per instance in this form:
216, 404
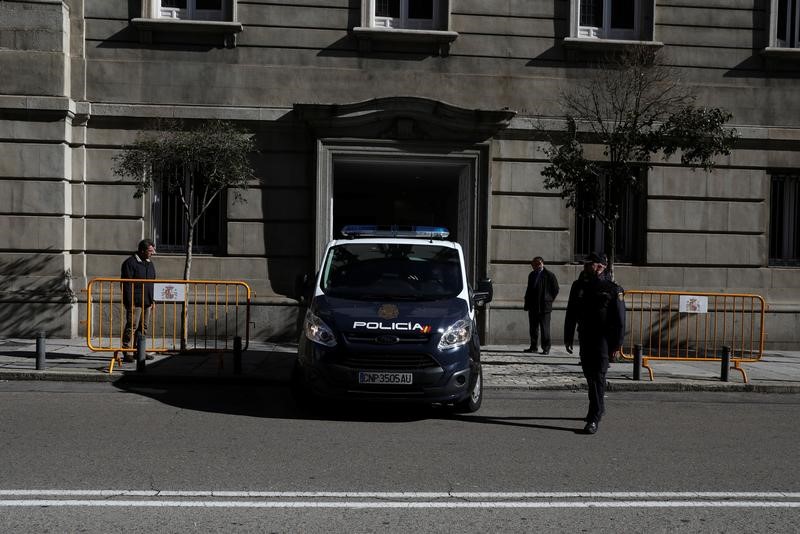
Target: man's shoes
531, 349
149, 357
128, 358
590, 428
545, 352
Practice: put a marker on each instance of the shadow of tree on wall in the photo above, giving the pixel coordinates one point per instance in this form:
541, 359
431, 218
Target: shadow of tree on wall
31, 300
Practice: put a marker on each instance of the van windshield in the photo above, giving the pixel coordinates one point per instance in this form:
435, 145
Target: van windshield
392, 271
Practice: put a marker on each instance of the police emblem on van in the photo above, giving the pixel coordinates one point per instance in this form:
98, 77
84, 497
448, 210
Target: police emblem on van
388, 311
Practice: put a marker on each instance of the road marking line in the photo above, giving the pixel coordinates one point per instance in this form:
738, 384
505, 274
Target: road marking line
395, 504
410, 494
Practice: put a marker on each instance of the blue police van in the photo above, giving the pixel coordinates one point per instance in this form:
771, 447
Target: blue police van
392, 316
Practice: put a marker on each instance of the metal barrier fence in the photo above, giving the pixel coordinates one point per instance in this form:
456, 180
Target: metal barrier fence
187, 315
672, 325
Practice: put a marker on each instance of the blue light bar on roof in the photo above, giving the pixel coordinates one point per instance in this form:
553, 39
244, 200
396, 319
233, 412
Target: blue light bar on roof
371, 230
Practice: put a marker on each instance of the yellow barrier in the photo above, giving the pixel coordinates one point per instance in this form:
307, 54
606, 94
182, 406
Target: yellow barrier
187, 315
673, 325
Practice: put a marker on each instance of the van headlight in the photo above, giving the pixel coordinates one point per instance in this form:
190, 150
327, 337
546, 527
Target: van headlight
317, 331
458, 334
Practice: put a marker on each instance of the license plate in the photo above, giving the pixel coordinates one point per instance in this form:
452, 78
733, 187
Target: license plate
378, 377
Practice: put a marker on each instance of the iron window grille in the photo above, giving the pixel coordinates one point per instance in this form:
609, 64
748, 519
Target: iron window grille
784, 220
171, 230
629, 235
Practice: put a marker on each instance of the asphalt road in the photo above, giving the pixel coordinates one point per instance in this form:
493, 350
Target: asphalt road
104, 458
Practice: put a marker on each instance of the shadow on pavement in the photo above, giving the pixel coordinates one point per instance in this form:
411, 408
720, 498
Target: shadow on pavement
517, 421
273, 402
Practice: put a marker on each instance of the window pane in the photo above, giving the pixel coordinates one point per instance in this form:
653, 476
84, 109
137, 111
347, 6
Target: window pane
782, 18
387, 8
420, 9
623, 14
215, 5
592, 13
180, 4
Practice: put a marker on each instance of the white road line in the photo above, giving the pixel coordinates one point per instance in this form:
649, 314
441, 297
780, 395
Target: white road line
408, 494
396, 504
398, 499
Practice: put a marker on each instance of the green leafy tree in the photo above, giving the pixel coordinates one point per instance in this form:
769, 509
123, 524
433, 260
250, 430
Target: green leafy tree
635, 109
197, 163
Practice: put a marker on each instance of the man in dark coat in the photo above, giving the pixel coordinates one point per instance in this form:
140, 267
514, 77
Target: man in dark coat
137, 298
597, 306
539, 296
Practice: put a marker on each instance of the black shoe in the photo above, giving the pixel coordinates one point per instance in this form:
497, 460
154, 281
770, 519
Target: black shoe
531, 349
128, 358
599, 416
545, 352
590, 428
149, 357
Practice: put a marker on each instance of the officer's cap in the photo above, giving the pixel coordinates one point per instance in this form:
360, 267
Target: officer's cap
595, 257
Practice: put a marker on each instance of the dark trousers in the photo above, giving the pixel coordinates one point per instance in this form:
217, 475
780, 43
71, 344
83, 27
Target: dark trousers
539, 321
595, 373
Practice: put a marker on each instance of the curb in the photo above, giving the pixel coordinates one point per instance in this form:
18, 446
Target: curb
133, 377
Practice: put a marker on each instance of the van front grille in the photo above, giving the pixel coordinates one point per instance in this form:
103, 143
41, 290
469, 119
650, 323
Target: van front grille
389, 361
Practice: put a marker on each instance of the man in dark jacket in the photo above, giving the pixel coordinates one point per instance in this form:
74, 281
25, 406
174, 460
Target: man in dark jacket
539, 296
137, 298
597, 306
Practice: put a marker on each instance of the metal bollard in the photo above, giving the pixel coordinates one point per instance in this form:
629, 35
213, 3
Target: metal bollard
141, 352
726, 363
41, 351
637, 362
237, 355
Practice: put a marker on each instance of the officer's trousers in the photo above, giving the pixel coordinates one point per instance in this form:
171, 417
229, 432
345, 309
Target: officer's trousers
595, 373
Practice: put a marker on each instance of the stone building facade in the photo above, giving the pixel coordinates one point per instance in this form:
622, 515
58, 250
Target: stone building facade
433, 112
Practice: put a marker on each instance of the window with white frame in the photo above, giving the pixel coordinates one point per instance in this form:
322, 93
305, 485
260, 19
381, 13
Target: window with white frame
609, 19
787, 23
190, 9
406, 14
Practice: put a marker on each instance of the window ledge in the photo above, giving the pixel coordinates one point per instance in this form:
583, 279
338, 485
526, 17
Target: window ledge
781, 52
147, 27
587, 43
439, 38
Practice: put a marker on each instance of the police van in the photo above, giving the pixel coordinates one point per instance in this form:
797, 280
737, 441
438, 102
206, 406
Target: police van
392, 316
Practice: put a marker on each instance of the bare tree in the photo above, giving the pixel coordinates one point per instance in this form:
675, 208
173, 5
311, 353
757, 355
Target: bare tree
197, 163
635, 109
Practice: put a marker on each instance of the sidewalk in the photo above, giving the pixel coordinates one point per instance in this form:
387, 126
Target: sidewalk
504, 367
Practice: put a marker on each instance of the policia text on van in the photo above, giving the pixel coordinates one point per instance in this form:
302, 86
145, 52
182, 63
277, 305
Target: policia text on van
392, 316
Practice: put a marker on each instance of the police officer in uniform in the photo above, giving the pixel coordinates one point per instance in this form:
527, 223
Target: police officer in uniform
597, 307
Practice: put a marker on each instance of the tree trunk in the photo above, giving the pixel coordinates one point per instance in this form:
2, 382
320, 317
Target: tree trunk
187, 266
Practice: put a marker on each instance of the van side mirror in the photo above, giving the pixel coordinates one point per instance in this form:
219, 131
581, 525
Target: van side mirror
483, 293
304, 288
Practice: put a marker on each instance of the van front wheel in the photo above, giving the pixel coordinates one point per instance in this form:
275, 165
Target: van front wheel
473, 402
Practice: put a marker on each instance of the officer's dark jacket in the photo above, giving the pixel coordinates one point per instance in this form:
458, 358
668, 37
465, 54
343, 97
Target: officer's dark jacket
597, 307
539, 298
135, 267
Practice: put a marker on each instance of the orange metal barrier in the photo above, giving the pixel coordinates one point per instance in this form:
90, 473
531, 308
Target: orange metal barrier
187, 315
672, 325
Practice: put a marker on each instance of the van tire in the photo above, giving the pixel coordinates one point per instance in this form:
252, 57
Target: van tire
473, 401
